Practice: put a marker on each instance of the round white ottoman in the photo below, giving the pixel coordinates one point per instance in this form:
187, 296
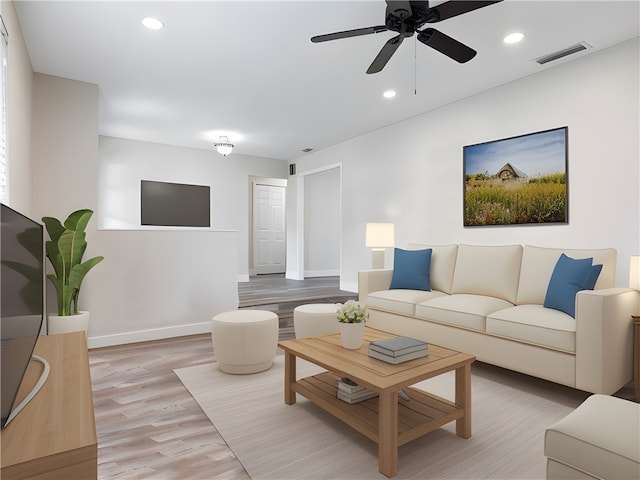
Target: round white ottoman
244, 341
315, 319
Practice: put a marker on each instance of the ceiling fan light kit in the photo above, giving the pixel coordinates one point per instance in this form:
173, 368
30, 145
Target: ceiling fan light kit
406, 18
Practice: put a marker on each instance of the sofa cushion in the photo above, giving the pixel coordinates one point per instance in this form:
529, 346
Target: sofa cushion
568, 278
600, 437
488, 270
535, 324
399, 300
411, 269
538, 264
462, 310
443, 262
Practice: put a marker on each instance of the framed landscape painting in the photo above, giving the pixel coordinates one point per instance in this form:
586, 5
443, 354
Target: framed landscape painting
518, 180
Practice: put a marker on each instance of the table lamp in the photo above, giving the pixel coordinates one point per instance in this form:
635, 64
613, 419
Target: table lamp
379, 236
634, 272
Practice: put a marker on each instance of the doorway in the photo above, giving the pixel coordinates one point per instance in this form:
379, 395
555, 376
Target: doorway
322, 224
269, 232
298, 270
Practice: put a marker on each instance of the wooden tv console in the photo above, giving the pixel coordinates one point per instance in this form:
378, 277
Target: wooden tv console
54, 436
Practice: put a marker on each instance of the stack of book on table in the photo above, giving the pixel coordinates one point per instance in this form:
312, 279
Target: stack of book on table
351, 392
398, 349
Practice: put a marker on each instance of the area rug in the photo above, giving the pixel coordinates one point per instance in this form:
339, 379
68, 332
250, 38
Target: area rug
274, 441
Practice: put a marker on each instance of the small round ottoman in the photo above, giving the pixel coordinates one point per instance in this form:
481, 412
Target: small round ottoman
244, 341
315, 319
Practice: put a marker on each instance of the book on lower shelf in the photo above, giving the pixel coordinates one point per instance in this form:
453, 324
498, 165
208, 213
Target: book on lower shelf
399, 358
350, 392
398, 346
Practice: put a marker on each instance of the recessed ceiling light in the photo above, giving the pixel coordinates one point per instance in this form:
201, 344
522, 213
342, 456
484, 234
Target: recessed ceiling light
513, 37
389, 94
152, 23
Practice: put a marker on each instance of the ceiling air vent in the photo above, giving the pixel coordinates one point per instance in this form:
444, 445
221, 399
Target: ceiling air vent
307, 150
578, 47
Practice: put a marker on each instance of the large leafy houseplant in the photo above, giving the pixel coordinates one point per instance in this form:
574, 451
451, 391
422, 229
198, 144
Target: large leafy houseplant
65, 250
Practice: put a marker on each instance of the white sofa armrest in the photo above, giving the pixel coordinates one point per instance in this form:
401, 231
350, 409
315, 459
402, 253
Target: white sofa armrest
373, 281
604, 349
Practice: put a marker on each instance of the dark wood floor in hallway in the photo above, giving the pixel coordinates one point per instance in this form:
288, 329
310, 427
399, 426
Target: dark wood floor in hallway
281, 296
270, 289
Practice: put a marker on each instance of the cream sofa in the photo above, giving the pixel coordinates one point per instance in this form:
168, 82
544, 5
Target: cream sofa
488, 301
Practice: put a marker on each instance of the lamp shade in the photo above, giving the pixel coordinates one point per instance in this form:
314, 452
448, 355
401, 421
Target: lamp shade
634, 272
379, 235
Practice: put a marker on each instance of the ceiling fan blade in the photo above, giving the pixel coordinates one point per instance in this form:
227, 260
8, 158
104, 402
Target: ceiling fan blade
348, 33
388, 49
455, 8
446, 45
400, 8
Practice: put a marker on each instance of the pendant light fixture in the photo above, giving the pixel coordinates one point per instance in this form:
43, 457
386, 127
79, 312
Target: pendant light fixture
223, 145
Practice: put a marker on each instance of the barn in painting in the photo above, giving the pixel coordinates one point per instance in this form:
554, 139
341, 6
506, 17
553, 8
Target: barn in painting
511, 173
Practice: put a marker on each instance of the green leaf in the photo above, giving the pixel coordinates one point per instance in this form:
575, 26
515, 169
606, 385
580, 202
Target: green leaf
79, 271
76, 276
78, 220
54, 228
71, 246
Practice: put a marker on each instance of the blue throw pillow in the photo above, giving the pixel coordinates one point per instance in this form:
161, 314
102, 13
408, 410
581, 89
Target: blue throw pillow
592, 277
568, 278
411, 269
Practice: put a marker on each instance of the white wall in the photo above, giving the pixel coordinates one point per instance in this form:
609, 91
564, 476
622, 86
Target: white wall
415, 183
123, 163
159, 284
153, 283
322, 223
20, 83
416, 180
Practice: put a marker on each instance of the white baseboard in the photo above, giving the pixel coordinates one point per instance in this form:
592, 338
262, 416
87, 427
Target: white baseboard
292, 275
321, 273
243, 277
147, 335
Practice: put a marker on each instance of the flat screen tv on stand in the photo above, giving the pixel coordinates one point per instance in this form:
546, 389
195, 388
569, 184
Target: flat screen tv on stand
21, 306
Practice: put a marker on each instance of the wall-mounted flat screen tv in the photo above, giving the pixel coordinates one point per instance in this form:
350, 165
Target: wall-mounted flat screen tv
174, 204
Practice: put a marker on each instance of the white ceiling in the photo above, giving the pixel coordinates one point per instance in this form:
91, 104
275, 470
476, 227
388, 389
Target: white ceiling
249, 70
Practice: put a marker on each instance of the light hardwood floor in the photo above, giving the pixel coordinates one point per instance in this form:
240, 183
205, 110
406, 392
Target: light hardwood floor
148, 425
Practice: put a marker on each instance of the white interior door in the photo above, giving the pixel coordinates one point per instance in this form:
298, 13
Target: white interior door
269, 236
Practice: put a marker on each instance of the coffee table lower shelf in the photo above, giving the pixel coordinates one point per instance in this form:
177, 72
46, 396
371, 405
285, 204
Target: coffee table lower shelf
424, 412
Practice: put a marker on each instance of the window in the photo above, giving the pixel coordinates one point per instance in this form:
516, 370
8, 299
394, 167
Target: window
4, 48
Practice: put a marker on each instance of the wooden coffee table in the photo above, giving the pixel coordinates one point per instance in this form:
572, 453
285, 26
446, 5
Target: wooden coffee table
387, 419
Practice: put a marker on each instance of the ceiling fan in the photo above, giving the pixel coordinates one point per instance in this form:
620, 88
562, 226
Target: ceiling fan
405, 18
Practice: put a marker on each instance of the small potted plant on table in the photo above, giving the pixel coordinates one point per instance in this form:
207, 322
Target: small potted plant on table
351, 321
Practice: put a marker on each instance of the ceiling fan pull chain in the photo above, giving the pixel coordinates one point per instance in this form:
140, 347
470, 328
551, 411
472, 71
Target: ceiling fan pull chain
415, 66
